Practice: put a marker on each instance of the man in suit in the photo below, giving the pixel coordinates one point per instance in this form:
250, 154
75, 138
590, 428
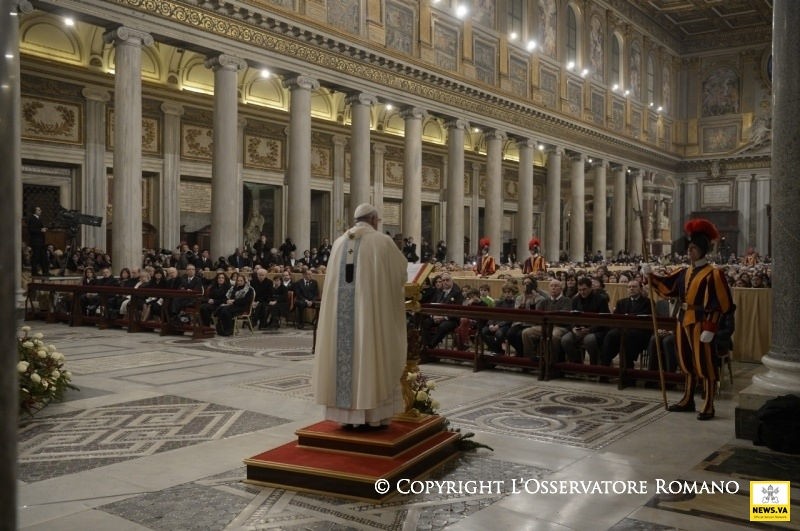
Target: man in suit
204, 262
585, 337
190, 282
237, 260
306, 291
36, 230
262, 285
436, 327
635, 340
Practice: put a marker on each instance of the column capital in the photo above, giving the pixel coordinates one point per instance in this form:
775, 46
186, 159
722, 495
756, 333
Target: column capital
526, 143
379, 147
413, 112
599, 163
494, 134
22, 6
225, 61
94, 93
577, 157
339, 140
301, 82
362, 98
456, 123
171, 108
126, 35
555, 150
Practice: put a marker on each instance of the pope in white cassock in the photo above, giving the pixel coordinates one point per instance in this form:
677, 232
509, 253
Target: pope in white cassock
361, 331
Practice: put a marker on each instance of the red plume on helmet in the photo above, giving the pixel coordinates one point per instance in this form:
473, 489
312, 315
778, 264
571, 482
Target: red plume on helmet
534, 243
701, 232
484, 242
702, 226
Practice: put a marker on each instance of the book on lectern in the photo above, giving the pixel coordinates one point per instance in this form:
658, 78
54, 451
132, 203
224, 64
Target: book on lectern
417, 273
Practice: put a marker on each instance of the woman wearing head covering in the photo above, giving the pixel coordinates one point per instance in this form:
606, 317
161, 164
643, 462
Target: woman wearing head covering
239, 299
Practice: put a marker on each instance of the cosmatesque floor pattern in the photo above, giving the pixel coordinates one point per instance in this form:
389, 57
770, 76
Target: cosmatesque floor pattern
156, 436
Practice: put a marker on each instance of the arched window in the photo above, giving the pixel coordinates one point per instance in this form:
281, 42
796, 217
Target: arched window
651, 79
572, 35
616, 61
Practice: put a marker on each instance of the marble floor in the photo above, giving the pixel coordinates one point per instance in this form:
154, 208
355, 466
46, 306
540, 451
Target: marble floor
156, 436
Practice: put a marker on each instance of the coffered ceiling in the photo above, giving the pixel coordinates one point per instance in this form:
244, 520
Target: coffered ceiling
690, 20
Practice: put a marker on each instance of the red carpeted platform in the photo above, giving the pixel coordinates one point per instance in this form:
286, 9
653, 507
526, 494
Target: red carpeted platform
331, 460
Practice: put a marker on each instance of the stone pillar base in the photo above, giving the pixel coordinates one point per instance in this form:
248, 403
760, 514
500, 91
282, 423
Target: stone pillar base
781, 378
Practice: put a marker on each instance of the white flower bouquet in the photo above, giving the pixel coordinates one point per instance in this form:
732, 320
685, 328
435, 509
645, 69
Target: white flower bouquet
42, 377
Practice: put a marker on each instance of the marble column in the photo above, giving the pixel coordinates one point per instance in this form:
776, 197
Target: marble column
225, 190
454, 216
412, 175
618, 211
340, 222
10, 177
95, 181
475, 213
577, 220
360, 108
783, 360
126, 228
552, 213
241, 123
378, 153
637, 211
299, 186
525, 210
599, 211
170, 222
493, 212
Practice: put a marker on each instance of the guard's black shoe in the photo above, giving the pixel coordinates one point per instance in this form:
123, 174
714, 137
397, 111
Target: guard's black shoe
681, 408
708, 415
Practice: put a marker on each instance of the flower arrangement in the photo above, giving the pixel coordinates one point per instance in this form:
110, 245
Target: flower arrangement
421, 388
42, 377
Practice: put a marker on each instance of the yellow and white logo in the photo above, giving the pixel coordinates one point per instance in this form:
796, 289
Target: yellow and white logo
769, 501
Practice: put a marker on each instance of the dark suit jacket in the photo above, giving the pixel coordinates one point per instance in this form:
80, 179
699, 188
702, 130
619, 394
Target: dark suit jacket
305, 291
263, 289
35, 234
628, 306
195, 284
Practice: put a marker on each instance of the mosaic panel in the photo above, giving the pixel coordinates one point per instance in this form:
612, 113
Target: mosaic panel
598, 108
518, 74
720, 139
552, 414
721, 92
399, 27
445, 45
346, 15
485, 60
574, 97
431, 178
618, 115
76, 441
548, 87
127, 361
636, 124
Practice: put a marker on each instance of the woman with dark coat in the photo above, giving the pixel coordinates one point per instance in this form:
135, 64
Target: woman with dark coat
239, 300
217, 295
